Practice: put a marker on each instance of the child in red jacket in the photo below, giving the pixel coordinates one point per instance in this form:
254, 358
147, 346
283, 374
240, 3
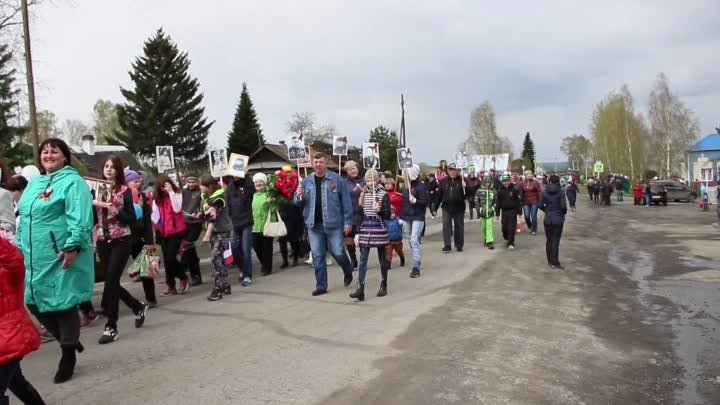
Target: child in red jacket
18, 336
638, 194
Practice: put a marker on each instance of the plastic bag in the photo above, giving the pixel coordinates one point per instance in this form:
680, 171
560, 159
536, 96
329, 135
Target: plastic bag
145, 265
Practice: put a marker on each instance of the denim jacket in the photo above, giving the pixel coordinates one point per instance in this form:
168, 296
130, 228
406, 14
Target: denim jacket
337, 208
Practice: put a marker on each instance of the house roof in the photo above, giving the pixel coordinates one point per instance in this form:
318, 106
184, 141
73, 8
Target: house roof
94, 162
273, 157
709, 142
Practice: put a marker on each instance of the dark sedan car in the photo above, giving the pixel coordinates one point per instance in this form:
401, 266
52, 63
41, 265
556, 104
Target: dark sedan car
674, 190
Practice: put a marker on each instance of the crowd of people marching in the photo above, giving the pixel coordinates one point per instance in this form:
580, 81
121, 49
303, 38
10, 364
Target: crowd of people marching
64, 234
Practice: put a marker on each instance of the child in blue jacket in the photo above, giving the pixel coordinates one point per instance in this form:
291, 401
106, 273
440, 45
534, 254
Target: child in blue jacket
396, 240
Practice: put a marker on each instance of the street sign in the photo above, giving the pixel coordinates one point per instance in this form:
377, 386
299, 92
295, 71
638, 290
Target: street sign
598, 167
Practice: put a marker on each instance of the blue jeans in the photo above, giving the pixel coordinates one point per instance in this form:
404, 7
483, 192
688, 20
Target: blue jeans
619, 195
530, 212
242, 248
364, 255
413, 231
333, 239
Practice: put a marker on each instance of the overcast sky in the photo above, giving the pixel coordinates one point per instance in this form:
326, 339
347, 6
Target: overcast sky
542, 64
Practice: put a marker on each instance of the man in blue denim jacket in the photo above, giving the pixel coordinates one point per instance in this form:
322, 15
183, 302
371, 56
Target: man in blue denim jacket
328, 216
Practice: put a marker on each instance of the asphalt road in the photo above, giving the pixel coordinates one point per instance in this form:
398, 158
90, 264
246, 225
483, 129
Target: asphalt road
632, 320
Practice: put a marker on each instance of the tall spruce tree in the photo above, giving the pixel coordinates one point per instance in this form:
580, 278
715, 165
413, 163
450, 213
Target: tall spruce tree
245, 137
528, 153
165, 106
10, 149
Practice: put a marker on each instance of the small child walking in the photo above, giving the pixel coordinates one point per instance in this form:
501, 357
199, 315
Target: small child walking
396, 238
218, 232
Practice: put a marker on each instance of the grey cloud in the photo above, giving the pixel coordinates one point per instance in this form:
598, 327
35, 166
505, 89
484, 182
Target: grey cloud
543, 65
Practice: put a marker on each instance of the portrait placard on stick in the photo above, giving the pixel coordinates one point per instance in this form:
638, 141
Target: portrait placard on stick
173, 175
218, 162
461, 160
306, 161
99, 188
165, 158
296, 147
340, 145
371, 155
405, 158
237, 165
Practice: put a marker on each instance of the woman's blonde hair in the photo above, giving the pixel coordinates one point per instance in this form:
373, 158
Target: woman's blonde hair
371, 175
349, 164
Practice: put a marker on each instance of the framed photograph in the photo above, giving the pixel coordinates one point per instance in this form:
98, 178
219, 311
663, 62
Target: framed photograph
371, 155
173, 175
340, 145
165, 158
218, 162
307, 161
461, 160
296, 147
100, 189
405, 158
237, 164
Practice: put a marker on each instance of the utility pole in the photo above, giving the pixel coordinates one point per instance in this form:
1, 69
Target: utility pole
667, 135
30, 79
402, 139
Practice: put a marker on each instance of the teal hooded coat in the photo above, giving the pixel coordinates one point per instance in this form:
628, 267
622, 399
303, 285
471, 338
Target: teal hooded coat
55, 216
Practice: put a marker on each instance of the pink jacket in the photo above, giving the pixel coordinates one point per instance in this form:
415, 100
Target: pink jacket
168, 217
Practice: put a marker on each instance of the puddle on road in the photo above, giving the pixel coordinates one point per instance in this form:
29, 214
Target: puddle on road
689, 337
699, 262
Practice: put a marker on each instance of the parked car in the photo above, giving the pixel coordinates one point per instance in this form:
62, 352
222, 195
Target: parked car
658, 193
677, 191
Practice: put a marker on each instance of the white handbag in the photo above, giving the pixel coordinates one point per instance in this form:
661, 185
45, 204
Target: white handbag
274, 229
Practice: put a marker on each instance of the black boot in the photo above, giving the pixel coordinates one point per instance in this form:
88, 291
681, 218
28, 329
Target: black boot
359, 294
383, 289
284, 254
66, 367
79, 347
353, 256
296, 261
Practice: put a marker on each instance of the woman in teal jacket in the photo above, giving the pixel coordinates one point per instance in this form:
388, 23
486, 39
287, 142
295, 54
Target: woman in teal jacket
55, 236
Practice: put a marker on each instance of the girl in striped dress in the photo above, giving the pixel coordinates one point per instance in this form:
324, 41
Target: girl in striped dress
375, 205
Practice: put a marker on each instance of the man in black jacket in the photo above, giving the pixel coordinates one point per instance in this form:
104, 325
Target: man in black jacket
239, 195
508, 205
191, 211
432, 190
452, 197
554, 206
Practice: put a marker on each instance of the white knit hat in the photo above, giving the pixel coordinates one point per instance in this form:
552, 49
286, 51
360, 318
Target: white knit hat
260, 177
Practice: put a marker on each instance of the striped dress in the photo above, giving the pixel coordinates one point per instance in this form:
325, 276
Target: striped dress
372, 232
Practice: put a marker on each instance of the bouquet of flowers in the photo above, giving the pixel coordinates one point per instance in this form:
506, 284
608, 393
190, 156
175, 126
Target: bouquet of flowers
282, 185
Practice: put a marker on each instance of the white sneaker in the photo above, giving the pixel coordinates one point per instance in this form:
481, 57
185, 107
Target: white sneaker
328, 262
309, 261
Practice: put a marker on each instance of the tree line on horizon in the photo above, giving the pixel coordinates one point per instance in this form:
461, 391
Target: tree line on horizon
164, 107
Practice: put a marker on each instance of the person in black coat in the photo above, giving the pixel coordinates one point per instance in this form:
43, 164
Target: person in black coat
554, 206
452, 197
239, 194
508, 205
292, 215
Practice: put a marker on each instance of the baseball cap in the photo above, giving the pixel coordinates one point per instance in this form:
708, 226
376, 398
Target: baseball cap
452, 166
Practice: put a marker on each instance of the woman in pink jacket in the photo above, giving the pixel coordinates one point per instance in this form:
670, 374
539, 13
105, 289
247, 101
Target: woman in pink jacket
169, 223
